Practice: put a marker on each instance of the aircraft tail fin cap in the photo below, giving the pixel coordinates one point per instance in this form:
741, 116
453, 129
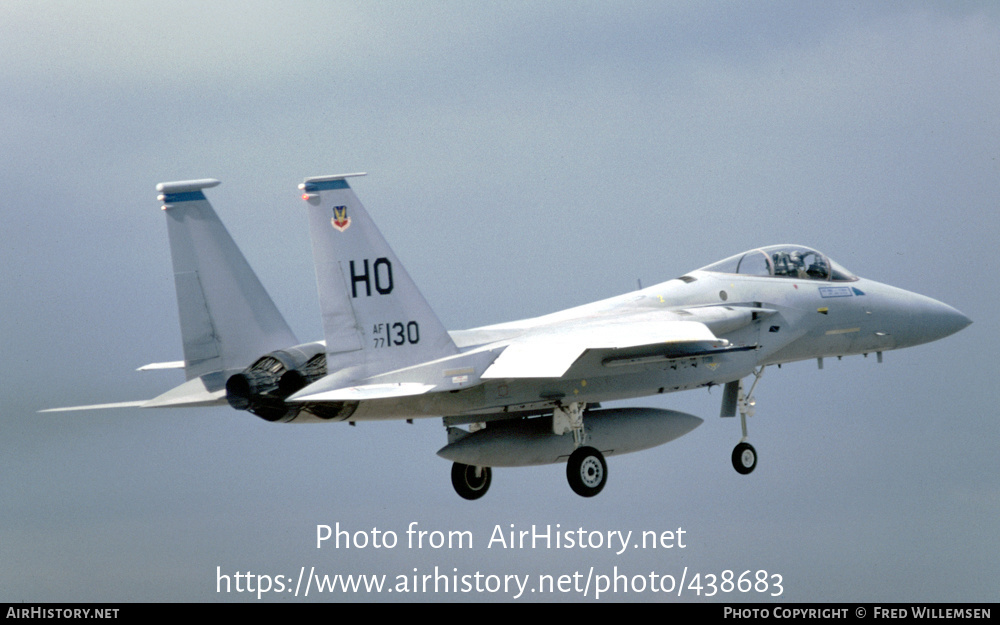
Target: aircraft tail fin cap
227, 317
374, 317
315, 182
183, 191
184, 186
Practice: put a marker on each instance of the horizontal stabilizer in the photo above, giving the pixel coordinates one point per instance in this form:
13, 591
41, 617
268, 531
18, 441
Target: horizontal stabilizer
156, 366
446, 374
551, 356
196, 392
368, 391
121, 404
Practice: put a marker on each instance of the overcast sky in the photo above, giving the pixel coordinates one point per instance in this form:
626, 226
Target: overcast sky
523, 157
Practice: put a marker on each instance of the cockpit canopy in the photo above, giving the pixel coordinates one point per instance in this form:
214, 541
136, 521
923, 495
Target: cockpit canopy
784, 261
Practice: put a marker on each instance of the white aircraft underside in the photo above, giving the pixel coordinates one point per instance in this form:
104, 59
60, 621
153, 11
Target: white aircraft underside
529, 390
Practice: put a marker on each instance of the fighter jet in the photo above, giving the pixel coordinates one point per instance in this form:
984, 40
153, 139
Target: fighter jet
527, 392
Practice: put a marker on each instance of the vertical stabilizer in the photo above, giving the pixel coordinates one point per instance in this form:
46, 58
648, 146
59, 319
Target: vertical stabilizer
227, 318
374, 317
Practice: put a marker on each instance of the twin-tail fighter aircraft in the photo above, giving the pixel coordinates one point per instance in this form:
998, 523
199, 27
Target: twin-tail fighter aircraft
528, 392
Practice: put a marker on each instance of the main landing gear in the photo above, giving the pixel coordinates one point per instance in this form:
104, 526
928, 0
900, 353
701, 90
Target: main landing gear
744, 455
586, 469
470, 482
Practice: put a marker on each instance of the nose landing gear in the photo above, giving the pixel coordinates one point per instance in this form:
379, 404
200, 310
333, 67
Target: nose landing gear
744, 455
744, 458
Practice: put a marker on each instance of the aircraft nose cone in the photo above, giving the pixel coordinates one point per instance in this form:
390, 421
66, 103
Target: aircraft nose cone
937, 320
913, 319
949, 320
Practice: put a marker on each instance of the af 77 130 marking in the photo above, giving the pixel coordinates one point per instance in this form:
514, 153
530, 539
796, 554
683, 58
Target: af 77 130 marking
398, 333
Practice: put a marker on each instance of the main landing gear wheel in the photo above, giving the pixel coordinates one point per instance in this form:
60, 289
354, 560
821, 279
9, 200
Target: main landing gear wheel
744, 458
470, 482
587, 471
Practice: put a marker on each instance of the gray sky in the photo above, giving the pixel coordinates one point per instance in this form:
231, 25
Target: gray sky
522, 158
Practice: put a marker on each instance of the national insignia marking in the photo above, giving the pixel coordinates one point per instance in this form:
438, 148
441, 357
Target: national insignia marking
340, 219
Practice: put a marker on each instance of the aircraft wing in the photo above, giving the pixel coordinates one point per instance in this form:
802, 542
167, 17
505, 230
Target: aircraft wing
551, 355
